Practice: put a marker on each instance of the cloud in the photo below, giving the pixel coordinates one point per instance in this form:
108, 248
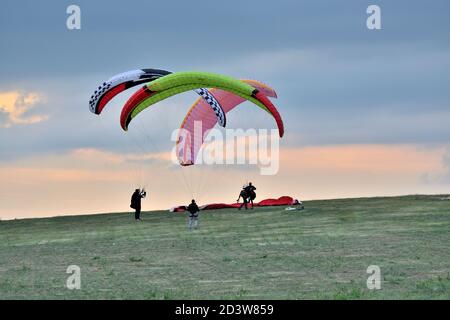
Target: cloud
91, 180
442, 175
97, 157
446, 158
17, 108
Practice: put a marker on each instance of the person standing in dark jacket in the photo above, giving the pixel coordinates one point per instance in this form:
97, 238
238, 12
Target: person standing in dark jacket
136, 203
193, 210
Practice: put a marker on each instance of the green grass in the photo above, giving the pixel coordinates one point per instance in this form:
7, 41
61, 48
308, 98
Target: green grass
267, 253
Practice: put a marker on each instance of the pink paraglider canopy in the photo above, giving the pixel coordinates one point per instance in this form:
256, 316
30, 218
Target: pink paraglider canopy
189, 141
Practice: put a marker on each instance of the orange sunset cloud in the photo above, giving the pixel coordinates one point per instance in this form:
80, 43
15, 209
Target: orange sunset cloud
16, 105
91, 180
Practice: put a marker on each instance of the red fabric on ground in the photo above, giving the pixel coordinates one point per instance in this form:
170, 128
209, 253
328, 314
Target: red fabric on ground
214, 206
281, 201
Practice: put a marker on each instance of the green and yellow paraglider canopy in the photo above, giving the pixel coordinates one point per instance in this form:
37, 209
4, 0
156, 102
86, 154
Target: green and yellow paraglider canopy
175, 83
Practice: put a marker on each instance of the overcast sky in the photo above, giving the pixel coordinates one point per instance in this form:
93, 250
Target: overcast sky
339, 86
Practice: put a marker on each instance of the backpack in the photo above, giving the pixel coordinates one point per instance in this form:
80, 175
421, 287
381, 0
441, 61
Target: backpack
133, 203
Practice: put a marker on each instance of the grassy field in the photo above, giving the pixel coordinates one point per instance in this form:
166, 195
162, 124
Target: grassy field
321, 252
